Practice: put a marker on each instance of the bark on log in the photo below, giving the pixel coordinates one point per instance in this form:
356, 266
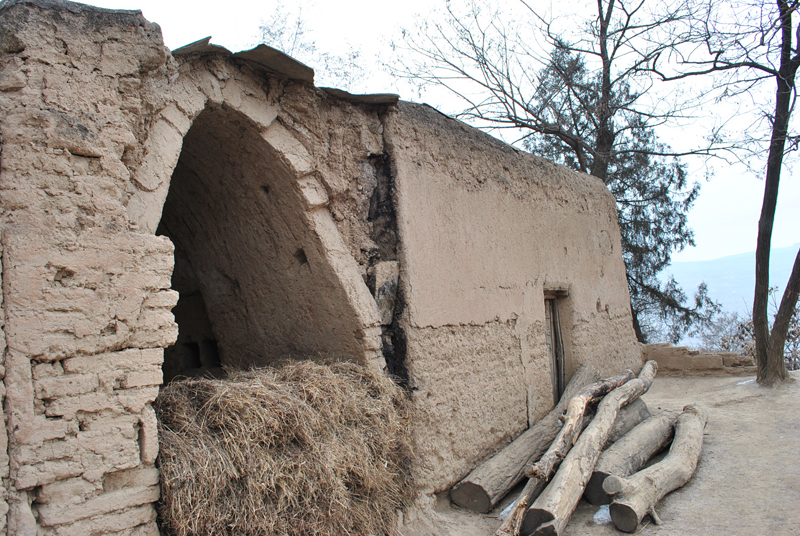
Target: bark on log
558, 500
545, 467
630, 453
636, 496
491, 481
513, 523
628, 418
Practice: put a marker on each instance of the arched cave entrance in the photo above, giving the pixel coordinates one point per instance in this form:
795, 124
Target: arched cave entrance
254, 281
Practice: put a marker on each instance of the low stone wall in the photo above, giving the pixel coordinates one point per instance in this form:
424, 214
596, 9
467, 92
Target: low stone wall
677, 360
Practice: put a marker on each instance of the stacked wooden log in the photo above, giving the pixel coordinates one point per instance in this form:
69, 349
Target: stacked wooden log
606, 435
636, 496
481, 490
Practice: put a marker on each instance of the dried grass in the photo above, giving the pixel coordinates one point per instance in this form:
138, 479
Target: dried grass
303, 449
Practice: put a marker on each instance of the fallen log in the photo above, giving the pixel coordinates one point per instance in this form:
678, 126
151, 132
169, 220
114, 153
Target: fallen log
578, 404
491, 481
636, 496
630, 453
558, 500
628, 418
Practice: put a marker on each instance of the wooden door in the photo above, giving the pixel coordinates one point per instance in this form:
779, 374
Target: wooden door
555, 347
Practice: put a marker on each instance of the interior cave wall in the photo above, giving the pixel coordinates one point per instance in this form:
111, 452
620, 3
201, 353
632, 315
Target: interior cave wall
255, 285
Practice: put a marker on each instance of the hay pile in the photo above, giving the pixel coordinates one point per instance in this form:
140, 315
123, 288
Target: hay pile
304, 449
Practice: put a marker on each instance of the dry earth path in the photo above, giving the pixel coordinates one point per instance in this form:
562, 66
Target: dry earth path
747, 482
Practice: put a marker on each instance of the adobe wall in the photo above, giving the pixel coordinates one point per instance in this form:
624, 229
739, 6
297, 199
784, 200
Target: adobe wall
486, 230
682, 361
86, 299
93, 113
290, 221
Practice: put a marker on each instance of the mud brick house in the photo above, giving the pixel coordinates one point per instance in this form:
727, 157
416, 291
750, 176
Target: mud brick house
166, 213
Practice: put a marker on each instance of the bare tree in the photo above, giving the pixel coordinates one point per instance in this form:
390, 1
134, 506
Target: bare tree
583, 100
745, 44
286, 30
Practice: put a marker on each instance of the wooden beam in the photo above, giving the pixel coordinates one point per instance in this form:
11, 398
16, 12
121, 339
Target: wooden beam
636, 496
630, 416
577, 408
630, 453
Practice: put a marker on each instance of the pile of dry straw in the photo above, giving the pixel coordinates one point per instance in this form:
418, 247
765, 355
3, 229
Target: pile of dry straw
298, 450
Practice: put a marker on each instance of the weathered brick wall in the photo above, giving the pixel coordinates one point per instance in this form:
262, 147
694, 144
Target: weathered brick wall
86, 299
93, 113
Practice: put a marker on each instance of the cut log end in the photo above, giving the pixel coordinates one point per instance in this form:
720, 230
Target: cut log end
624, 517
534, 518
468, 495
594, 489
613, 484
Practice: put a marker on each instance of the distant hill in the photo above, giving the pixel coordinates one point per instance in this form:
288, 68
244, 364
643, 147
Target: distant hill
731, 280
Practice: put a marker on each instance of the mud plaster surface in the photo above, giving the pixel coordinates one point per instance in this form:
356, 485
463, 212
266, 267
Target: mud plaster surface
747, 482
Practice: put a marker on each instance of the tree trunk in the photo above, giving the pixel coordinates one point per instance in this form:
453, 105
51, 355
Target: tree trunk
558, 500
604, 142
529, 493
628, 418
491, 481
637, 496
630, 453
544, 468
780, 328
637, 328
769, 356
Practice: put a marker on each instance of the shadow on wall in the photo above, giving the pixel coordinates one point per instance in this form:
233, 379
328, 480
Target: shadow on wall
254, 283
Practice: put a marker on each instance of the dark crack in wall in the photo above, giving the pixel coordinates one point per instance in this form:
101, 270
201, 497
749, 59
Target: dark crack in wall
384, 272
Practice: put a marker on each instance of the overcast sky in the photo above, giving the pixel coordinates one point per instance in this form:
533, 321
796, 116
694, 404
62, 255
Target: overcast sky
724, 219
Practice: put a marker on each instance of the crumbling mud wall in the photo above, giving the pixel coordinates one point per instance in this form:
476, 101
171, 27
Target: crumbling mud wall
680, 360
270, 211
487, 233
221, 207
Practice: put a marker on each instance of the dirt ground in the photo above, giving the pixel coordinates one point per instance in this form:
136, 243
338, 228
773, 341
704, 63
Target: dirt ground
746, 484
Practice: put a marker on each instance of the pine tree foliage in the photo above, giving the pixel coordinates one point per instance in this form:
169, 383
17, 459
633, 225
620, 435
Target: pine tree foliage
653, 192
